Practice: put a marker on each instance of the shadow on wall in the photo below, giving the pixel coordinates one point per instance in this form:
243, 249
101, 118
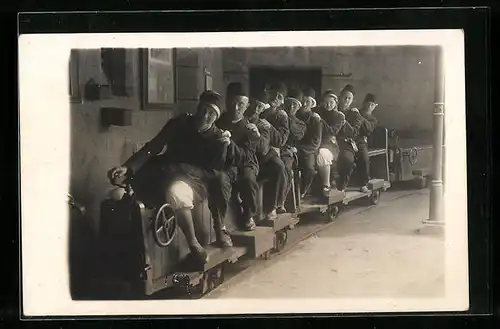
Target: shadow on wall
95, 148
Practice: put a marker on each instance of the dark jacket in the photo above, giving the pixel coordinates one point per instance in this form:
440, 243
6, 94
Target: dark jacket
334, 131
368, 125
189, 154
264, 144
311, 140
297, 130
280, 126
185, 145
243, 149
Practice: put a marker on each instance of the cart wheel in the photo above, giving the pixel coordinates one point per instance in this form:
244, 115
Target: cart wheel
220, 277
280, 240
165, 225
375, 197
332, 212
213, 279
197, 291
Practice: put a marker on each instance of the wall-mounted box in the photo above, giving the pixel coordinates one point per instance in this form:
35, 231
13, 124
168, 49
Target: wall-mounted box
113, 116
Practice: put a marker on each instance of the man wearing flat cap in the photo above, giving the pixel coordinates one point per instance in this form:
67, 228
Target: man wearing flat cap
182, 175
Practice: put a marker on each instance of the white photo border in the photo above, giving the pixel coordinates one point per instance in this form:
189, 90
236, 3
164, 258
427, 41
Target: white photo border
45, 171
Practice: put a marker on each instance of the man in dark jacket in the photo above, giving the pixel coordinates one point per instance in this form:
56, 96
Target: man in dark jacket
184, 173
336, 130
308, 146
279, 133
277, 117
246, 136
347, 142
271, 167
368, 124
297, 129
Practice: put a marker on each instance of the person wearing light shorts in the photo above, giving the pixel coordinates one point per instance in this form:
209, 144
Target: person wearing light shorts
332, 122
183, 175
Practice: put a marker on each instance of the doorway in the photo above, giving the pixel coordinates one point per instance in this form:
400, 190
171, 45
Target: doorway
263, 76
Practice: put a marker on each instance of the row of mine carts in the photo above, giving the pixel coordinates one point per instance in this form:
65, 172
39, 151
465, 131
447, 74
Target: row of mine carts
141, 252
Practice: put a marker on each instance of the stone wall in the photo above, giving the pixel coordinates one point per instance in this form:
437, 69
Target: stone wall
402, 77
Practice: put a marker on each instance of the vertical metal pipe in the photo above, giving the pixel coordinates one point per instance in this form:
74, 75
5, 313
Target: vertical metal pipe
436, 211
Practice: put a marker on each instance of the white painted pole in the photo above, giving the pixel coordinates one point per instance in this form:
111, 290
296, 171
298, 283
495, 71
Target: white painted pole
436, 205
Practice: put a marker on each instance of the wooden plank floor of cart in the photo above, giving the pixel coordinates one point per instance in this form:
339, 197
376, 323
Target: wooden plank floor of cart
280, 222
188, 268
317, 204
256, 242
216, 256
353, 193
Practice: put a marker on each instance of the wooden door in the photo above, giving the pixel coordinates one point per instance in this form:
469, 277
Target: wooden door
263, 77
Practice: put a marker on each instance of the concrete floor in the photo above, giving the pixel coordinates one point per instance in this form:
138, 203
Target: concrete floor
374, 253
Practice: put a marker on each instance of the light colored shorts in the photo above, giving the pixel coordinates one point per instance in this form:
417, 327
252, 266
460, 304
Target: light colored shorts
180, 195
326, 157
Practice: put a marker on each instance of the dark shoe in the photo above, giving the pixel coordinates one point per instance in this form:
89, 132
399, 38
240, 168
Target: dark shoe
200, 255
326, 191
250, 224
223, 239
281, 210
271, 215
305, 195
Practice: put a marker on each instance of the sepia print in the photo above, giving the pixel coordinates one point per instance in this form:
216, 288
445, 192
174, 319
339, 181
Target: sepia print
260, 172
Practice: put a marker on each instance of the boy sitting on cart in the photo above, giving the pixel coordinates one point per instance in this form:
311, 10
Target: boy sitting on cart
186, 172
244, 171
334, 128
271, 167
368, 124
308, 146
279, 131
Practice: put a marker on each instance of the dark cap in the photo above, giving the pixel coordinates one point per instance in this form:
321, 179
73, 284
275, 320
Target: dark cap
330, 93
296, 94
212, 97
369, 98
261, 96
347, 88
278, 87
236, 89
309, 93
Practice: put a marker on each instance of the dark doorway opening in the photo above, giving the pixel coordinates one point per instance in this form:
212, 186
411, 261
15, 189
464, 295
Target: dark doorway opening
263, 76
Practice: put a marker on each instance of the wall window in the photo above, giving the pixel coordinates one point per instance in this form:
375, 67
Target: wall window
157, 78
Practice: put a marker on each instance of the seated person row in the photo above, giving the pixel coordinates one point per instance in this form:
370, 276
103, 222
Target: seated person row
343, 131
189, 170
297, 137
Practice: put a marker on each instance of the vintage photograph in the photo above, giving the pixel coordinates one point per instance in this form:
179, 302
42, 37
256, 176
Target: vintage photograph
262, 172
